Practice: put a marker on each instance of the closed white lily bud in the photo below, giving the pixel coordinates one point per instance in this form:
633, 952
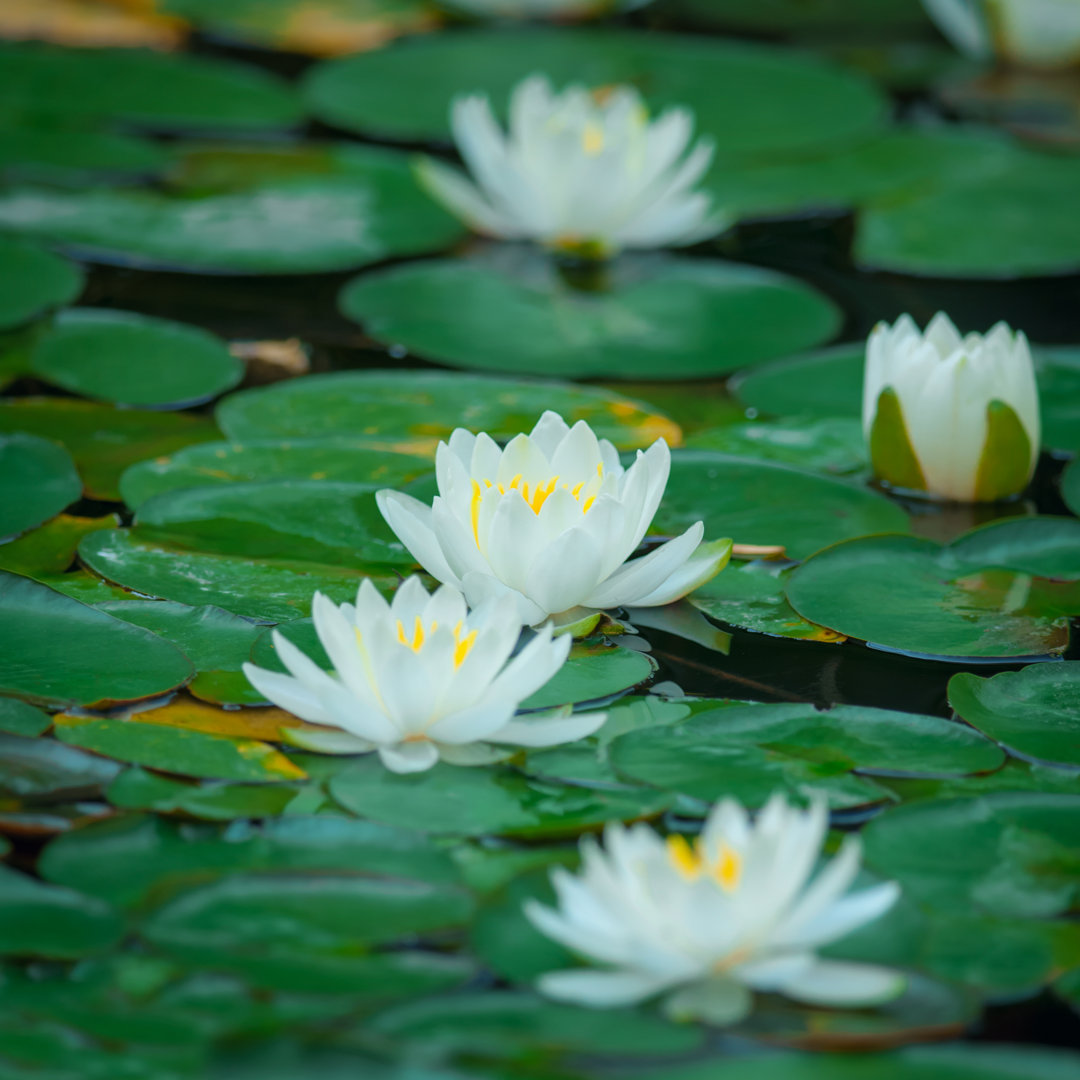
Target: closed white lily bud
956, 417
1031, 33
419, 680
711, 921
550, 521
577, 171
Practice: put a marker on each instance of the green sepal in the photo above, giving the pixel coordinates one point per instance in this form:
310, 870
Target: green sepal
891, 454
1005, 465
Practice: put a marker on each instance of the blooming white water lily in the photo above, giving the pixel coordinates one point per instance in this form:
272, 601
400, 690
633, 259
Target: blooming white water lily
710, 921
419, 679
582, 172
1033, 33
551, 521
957, 417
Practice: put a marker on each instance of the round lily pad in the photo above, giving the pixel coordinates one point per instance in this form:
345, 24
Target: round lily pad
944, 233
37, 481
31, 151
830, 444
329, 28
788, 99
103, 440
132, 359
19, 718
145, 88
651, 316
1034, 712
1009, 855
1070, 486
329, 522
1059, 398
51, 548
332, 459
307, 225
51, 922
418, 408
757, 502
54, 650
747, 752
911, 595
751, 596
1045, 546
32, 281
272, 590
473, 802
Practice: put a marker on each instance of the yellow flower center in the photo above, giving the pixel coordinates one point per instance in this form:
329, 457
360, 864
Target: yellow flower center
534, 495
415, 641
692, 862
592, 139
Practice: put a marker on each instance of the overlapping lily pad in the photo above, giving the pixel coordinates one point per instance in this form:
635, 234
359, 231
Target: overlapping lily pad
342, 459
33, 281
418, 408
55, 650
271, 590
136, 86
1070, 486
510, 309
789, 100
1034, 712
757, 502
50, 549
750, 751
102, 439
833, 445
19, 718
131, 359
472, 802
37, 481
32, 768
809, 16
911, 595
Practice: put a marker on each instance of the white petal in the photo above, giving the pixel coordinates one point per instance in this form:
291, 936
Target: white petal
836, 984
409, 757
550, 731
601, 989
410, 521
640, 577
286, 693
706, 562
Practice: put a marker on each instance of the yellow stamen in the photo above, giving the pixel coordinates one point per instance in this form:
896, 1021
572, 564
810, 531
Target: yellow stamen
691, 862
477, 496
592, 139
462, 645
577, 488
417, 642
683, 857
588, 502
728, 869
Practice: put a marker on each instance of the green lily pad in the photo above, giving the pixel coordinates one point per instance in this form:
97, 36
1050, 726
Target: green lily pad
1070, 486
140, 789
749, 751
473, 802
271, 590
1046, 547
50, 549
136, 859
820, 384
1010, 855
273, 918
103, 354
334, 459
51, 922
806, 16
33, 281
332, 26
54, 650
789, 100
751, 596
368, 211
37, 481
499, 1023
757, 502
329, 522
19, 718
32, 768
417, 408
189, 753
102, 439
651, 316
943, 233
1034, 712
908, 594
31, 151
143, 88
833, 445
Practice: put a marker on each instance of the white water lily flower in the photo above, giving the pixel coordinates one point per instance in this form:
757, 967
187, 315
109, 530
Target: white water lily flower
577, 171
709, 922
957, 417
1034, 33
551, 521
419, 679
